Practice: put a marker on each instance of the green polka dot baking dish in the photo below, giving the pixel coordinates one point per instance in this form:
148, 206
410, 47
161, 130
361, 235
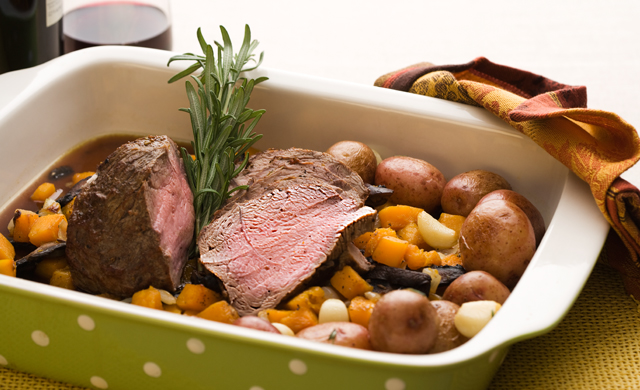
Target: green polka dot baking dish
94, 341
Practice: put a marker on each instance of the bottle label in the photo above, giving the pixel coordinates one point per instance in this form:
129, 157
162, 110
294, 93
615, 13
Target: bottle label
54, 11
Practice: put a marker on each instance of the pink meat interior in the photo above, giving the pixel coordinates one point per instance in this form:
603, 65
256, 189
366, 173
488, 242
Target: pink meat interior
272, 243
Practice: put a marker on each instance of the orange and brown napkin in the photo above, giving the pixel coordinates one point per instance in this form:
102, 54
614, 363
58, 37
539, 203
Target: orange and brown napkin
598, 146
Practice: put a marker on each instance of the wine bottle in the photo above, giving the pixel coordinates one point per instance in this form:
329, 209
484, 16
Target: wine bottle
30, 33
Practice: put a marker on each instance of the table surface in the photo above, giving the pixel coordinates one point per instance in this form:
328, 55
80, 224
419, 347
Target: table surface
573, 42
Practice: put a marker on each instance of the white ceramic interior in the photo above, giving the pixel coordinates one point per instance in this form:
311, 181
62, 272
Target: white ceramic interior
47, 110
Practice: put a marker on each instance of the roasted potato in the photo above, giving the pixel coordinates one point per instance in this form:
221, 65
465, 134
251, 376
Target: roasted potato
525, 205
498, 238
357, 156
461, 194
448, 335
414, 182
476, 286
403, 321
257, 323
347, 334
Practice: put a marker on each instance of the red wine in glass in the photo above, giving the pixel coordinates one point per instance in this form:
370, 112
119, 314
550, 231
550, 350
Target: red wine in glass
116, 23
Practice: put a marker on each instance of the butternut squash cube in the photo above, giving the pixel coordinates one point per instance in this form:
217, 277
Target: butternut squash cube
375, 238
45, 268
43, 191
390, 251
433, 258
196, 297
68, 208
417, 258
300, 319
22, 222
414, 257
411, 234
296, 320
79, 176
48, 228
7, 251
348, 283
274, 315
148, 298
8, 267
453, 222
397, 217
453, 259
171, 308
360, 310
62, 278
311, 299
361, 241
220, 311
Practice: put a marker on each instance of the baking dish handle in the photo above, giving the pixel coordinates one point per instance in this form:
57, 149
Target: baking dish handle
551, 287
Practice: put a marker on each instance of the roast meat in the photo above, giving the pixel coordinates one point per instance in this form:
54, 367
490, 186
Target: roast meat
301, 210
264, 248
133, 222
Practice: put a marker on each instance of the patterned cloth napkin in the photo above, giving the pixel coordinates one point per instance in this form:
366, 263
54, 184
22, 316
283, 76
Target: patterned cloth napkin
598, 146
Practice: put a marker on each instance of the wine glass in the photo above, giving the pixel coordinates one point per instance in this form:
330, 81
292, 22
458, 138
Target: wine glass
145, 23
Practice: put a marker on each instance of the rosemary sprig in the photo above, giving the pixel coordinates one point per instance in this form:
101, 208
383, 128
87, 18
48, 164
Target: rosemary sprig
221, 122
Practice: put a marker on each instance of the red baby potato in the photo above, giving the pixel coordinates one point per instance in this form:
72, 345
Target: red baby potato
476, 286
255, 322
498, 238
461, 194
414, 182
403, 321
448, 335
525, 205
347, 334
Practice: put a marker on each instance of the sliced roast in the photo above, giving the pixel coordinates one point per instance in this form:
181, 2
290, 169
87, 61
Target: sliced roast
264, 248
278, 169
132, 224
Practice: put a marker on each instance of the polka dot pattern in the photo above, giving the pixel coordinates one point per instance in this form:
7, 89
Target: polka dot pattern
86, 322
394, 384
40, 338
98, 382
195, 346
298, 367
152, 369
